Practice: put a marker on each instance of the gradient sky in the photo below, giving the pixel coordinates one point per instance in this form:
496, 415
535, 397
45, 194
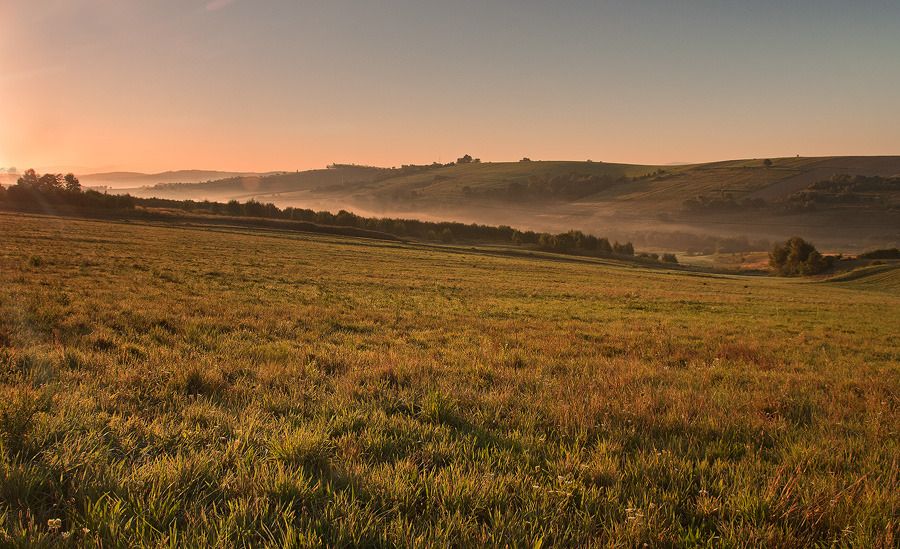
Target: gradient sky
152, 85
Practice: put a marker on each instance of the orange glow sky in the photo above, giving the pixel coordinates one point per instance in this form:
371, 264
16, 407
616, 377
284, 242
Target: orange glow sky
256, 85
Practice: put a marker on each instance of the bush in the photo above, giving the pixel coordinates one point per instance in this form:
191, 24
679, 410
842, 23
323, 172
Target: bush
797, 257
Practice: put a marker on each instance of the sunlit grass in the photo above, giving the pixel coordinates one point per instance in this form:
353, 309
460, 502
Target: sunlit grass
164, 385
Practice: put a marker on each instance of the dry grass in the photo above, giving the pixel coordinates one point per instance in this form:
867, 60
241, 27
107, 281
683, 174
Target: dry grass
180, 386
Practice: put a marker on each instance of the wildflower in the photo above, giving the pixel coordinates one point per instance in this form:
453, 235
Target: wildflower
54, 524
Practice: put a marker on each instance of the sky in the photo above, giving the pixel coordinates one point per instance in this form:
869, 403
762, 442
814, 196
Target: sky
259, 85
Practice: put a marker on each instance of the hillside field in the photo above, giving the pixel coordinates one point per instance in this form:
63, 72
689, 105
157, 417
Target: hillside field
167, 385
641, 203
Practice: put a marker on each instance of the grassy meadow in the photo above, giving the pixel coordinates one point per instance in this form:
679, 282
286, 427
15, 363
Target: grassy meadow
182, 386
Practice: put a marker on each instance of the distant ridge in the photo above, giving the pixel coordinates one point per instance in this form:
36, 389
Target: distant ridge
138, 179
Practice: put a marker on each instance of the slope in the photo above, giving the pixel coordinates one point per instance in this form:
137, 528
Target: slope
626, 201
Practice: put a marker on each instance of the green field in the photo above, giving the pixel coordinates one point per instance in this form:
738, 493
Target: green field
169, 385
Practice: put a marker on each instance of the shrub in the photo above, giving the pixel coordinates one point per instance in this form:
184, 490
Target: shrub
797, 257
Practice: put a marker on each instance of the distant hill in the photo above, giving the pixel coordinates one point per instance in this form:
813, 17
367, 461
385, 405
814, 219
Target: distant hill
246, 186
646, 203
137, 179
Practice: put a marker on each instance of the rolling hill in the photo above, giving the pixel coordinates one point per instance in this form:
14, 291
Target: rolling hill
645, 203
268, 186
136, 179
879, 278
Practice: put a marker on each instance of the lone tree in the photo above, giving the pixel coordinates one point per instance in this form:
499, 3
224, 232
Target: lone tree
767, 162
797, 257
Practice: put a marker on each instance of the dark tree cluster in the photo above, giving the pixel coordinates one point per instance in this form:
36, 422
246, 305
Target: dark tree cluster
664, 258
669, 258
586, 243
38, 192
886, 253
724, 202
844, 189
797, 257
467, 159
857, 183
840, 189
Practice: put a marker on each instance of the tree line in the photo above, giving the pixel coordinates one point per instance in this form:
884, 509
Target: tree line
723, 202
846, 189
33, 191
572, 242
840, 189
569, 186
